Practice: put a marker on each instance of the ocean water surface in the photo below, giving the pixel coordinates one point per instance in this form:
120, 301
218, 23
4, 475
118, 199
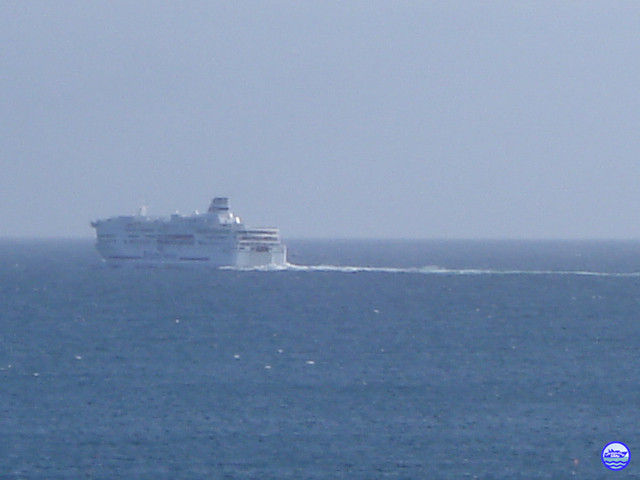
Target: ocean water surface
364, 360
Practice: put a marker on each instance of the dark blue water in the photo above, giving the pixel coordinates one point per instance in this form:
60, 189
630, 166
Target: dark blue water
500, 360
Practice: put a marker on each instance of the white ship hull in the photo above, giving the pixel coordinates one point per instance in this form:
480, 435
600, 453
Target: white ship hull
216, 238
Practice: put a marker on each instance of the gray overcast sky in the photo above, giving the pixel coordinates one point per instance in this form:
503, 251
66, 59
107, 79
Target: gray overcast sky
426, 119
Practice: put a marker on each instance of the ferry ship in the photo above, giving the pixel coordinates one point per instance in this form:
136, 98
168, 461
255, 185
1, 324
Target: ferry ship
615, 454
215, 238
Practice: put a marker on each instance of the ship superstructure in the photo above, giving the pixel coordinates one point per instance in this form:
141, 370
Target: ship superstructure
216, 238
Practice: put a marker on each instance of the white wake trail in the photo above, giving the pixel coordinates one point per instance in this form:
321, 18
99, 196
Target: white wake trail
425, 270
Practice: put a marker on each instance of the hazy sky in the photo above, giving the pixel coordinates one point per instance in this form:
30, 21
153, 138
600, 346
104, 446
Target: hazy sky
426, 119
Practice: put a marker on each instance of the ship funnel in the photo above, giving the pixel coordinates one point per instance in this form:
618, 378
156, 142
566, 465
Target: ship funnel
219, 204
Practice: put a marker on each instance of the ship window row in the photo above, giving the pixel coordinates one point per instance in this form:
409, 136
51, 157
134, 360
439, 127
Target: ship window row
212, 231
254, 248
177, 236
259, 238
216, 237
139, 241
245, 242
147, 241
260, 234
176, 240
139, 227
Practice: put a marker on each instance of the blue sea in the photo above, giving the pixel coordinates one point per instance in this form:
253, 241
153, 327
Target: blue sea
365, 360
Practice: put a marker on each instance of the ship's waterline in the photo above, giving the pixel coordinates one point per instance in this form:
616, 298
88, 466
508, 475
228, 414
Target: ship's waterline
214, 238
